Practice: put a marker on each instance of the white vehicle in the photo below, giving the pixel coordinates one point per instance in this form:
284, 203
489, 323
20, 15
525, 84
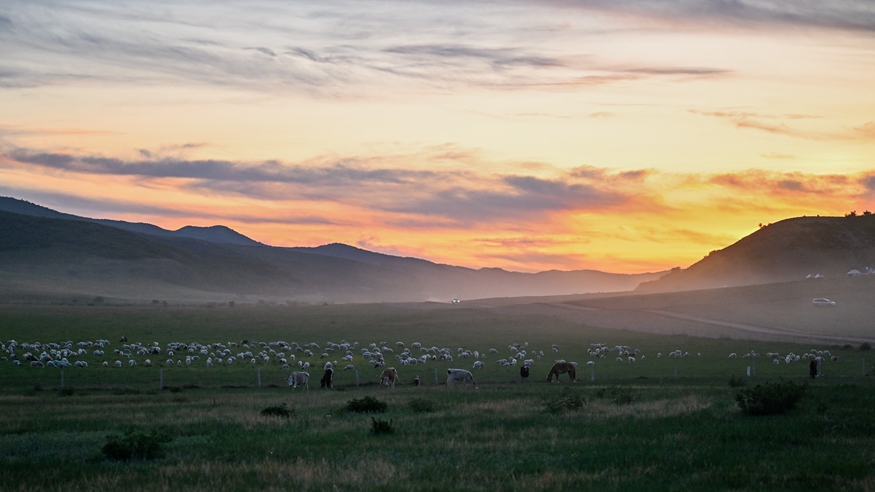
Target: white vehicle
822, 301
456, 301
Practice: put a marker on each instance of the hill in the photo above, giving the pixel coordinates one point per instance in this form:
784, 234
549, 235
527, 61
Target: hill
784, 251
54, 257
215, 234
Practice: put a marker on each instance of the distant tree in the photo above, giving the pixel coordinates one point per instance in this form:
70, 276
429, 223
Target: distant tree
867, 213
231, 303
156, 301
852, 213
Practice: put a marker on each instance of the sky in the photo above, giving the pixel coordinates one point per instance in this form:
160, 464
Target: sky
623, 136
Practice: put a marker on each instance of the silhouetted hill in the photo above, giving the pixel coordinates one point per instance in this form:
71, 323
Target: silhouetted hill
215, 234
43, 256
783, 251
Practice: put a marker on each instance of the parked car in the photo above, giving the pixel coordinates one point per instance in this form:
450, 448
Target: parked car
822, 301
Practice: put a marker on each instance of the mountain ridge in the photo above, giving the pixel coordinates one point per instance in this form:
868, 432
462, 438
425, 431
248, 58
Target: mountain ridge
102, 258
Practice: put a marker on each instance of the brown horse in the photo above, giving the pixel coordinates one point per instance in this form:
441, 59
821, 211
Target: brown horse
562, 368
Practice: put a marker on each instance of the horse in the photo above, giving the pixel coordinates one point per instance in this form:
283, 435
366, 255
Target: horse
561, 368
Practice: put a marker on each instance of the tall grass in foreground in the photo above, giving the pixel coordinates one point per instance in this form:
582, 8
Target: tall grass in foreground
495, 437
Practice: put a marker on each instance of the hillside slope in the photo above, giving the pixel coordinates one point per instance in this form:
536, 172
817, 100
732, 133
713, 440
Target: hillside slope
783, 251
41, 255
215, 234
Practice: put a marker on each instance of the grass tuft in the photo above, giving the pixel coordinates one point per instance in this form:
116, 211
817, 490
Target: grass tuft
368, 404
382, 427
421, 405
566, 401
770, 398
136, 445
278, 411
737, 382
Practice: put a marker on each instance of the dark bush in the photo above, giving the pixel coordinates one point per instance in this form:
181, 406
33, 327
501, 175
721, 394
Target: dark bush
770, 398
136, 445
865, 346
737, 382
380, 427
617, 396
421, 405
368, 404
278, 411
566, 401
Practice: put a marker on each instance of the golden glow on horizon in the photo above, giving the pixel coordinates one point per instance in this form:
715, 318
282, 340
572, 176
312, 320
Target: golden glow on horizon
536, 137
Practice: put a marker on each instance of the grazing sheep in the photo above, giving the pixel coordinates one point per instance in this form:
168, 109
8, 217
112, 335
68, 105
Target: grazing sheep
733, 355
350, 367
388, 377
132, 362
590, 363
462, 375
299, 378
478, 364
36, 363
118, 363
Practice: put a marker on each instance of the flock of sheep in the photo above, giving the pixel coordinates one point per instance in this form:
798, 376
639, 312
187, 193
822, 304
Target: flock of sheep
297, 357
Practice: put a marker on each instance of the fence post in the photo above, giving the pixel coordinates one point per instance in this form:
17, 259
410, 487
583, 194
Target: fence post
161, 379
592, 373
62, 379
356, 378
259, 377
436, 376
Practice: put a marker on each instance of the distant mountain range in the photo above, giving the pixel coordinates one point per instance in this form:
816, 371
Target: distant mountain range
215, 234
48, 255
787, 250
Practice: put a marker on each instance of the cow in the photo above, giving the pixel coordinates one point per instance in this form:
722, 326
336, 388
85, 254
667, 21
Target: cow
299, 378
327, 378
389, 376
462, 375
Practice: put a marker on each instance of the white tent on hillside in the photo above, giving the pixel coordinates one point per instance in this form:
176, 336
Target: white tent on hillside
854, 273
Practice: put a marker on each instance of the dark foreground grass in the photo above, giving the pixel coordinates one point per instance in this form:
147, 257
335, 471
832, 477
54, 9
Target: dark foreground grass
497, 437
636, 427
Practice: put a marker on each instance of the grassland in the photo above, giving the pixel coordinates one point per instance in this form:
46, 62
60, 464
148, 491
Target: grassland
678, 433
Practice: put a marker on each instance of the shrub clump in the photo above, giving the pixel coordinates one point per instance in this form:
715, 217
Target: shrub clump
566, 401
278, 411
381, 427
136, 445
770, 398
421, 405
368, 404
865, 346
737, 382
617, 396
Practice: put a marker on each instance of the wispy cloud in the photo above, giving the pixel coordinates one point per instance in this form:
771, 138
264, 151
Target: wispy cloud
328, 49
838, 14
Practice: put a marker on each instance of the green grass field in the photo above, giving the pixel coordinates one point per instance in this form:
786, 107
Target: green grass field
677, 433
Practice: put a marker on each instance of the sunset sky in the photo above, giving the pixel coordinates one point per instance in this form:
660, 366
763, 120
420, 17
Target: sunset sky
624, 136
